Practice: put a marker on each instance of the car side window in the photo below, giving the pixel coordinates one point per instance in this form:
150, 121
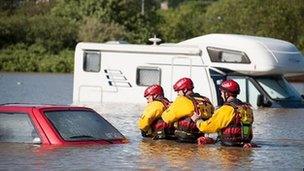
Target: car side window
17, 127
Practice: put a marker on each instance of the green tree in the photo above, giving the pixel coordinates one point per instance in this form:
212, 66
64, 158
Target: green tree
9, 5
31, 8
177, 3
93, 30
183, 22
57, 34
12, 30
126, 13
279, 19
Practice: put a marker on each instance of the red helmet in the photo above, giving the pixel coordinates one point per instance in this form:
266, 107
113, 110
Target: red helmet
231, 87
183, 84
154, 90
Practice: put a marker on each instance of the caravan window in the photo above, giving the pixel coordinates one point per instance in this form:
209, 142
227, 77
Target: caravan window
227, 56
249, 93
91, 61
146, 76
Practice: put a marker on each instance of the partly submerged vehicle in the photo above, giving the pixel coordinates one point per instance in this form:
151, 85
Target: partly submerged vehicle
55, 125
119, 73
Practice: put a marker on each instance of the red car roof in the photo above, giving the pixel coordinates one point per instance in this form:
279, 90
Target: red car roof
47, 132
28, 106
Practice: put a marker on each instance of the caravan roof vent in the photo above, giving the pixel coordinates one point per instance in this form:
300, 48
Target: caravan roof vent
154, 40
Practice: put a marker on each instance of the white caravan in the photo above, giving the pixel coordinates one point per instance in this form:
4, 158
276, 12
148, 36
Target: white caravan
119, 73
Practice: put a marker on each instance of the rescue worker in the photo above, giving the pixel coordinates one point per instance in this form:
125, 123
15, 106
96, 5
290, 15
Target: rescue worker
180, 111
150, 122
233, 121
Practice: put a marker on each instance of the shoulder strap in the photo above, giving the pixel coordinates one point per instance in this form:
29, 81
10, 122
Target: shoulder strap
231, 104
239, 105
195, 103
164, 101
194, 98
234, 103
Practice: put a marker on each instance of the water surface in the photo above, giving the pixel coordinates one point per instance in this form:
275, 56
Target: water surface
279, 133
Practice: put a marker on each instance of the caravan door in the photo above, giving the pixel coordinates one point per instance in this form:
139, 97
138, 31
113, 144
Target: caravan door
180, 67
217, 77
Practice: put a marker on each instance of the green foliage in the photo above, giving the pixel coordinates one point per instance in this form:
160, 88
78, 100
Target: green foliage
95, 31
12, 30
175, 3
126, 13
182, 23
17, 58
69, 9
35, 58
31, 8
279, 19
40, 37
63, 62
54, 33
9, 5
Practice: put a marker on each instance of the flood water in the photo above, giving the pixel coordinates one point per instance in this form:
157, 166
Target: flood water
278, 132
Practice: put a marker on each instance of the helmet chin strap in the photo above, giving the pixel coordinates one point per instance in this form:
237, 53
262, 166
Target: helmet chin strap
226, 96
185, 92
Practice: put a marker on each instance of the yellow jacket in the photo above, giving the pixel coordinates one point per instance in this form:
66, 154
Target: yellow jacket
151, 112
220, 119
184, 107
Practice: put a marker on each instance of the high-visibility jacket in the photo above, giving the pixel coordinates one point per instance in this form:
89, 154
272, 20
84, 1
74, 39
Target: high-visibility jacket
185, 106
232, 121
152, 111
180, 112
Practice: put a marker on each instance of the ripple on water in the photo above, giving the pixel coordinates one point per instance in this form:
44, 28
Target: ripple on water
279, 132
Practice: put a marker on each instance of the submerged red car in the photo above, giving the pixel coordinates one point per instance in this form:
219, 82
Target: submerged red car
55, 125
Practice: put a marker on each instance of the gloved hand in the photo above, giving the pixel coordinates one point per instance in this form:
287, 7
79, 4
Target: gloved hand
195, 117
205, 140
143, 133
249, 145
147, 133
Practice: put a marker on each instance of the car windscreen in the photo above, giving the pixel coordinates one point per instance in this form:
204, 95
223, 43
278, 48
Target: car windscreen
82, 125
17, 127
278, 88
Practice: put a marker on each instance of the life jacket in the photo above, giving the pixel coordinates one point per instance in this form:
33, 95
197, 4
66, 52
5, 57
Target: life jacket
186, 130
202, 105
239, 131
164, 101
160, 129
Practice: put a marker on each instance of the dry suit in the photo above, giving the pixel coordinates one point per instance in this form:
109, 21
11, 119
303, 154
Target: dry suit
151, 124
180, 112
233, 122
